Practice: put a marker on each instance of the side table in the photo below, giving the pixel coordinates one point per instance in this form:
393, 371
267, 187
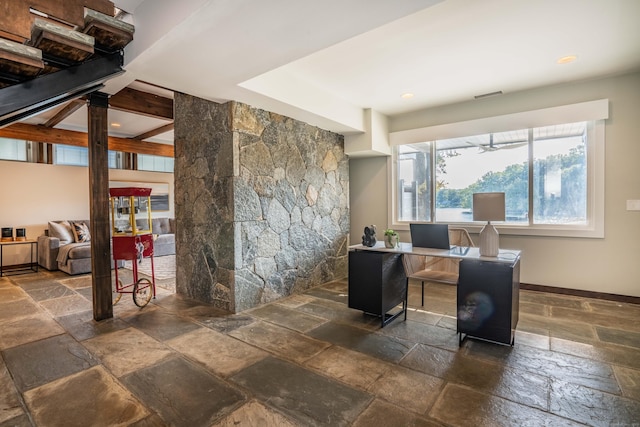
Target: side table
24, 268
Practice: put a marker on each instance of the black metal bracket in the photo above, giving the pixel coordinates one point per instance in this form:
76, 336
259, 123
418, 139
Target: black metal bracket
99, 99
31, 97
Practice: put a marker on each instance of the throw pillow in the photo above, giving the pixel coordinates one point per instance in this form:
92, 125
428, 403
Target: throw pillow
81, 232
61, 230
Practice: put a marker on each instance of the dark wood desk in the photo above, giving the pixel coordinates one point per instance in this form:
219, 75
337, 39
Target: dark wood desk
488, 291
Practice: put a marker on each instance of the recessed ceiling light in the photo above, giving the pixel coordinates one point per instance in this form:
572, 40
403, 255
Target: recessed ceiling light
115, 125
407, 95
567, 59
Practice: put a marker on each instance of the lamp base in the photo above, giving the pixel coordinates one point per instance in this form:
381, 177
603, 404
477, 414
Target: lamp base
489, 240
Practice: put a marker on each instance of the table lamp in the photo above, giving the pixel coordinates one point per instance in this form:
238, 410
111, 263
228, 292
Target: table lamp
488, 207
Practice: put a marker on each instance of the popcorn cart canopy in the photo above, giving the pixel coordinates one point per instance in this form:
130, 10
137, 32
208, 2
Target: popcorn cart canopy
130, 211
129, 191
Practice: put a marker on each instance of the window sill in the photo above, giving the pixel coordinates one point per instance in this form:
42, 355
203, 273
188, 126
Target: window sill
525, 230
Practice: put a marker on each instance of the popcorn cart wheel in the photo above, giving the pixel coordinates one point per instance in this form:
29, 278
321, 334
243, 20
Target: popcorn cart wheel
132, 240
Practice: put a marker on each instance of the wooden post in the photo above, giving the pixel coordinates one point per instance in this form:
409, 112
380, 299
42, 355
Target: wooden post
99, 206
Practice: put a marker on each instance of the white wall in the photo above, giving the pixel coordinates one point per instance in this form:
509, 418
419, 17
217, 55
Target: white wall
367, 196
609, 265
33, 194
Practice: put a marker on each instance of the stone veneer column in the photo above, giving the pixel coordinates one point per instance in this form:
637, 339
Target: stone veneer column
261, 204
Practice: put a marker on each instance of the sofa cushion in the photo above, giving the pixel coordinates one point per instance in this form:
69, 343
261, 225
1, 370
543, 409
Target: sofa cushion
160, 225
79, 252
61, 230
80, 232
164, 244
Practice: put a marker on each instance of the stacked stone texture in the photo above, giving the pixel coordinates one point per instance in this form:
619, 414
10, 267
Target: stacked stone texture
262, 204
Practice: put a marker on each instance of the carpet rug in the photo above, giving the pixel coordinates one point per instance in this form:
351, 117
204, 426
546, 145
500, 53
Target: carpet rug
164, 266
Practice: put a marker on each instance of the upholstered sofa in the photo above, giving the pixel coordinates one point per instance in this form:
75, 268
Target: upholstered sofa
164, 236
60, 249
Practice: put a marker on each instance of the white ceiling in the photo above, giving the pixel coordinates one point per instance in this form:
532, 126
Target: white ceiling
323, 62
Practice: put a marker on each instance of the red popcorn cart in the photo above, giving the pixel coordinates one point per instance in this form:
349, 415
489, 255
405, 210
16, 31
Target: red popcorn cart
132, 240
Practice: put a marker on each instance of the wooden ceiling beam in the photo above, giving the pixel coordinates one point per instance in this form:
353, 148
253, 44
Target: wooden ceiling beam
65, 112
41, 133
144, 103
154, 132
140, 147
18, 19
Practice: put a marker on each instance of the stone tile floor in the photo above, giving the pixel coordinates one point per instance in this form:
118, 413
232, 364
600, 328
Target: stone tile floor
308, 360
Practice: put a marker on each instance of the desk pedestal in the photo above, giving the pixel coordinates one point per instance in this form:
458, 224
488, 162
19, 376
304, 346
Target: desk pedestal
488, 300
377, 283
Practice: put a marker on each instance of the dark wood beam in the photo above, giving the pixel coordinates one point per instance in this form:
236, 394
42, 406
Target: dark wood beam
12, 37
144, 103
131, 161
41, 152
65, 112
79, 139
44, 153
99, 206
140, 147
49, 154
154, 132
17, 19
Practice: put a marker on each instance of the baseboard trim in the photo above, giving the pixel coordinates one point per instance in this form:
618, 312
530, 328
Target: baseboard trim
581, 293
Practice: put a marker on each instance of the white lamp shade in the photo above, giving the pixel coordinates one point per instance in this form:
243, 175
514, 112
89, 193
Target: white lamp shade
488, 207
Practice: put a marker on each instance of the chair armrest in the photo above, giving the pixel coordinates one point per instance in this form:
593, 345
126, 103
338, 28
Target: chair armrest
48, 242
48, 248
412, 264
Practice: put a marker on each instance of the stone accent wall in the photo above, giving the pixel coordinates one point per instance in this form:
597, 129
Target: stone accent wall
262, 205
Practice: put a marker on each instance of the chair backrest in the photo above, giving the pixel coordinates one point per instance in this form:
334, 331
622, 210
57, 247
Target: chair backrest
412, 264
437, 268
460, 237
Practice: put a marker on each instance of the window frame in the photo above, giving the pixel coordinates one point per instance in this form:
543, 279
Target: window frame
595, 152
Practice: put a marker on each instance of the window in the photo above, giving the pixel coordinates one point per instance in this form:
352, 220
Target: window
557, 186
500, 162
152, 163
70, 155
414, 182
79, 156
13, 149
115, 159
552, 176
560, 174
478, 164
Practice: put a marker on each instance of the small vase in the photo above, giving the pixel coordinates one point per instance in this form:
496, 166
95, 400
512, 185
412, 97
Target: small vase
391, 241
